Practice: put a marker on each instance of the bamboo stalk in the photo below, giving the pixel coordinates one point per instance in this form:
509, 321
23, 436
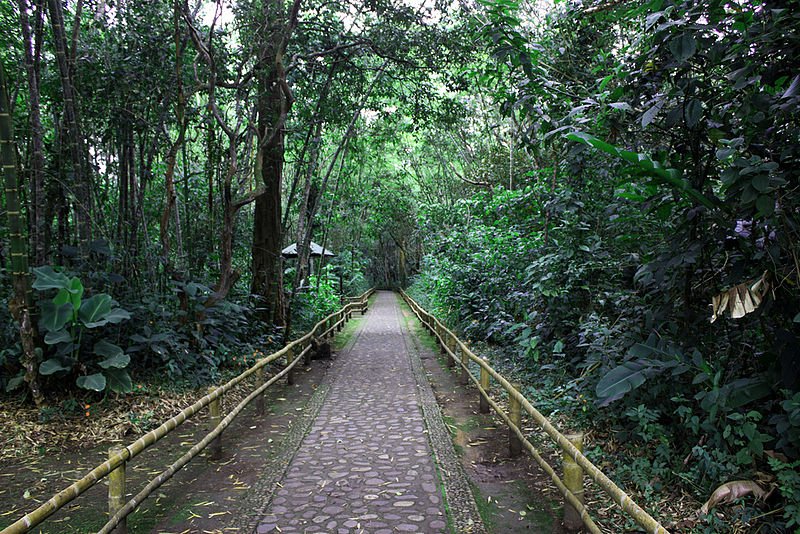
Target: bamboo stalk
638, 514
260, 409
515, 415
573, 479
116, 489
215, 416
71, 492
289, 362
168, 473
483, 406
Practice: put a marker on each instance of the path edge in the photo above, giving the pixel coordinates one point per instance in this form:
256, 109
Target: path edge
253, 507
459, 499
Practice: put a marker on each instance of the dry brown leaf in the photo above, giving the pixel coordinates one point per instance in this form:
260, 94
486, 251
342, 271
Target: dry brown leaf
730, 491
741, 299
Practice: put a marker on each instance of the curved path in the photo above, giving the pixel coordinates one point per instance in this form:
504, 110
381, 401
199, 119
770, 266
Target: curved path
367, 464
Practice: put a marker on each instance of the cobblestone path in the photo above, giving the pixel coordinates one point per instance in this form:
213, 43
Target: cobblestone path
366, 464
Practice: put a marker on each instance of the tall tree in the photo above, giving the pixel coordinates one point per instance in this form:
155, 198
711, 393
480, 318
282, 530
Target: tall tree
274, 100
19, 250
72, 133
37, 163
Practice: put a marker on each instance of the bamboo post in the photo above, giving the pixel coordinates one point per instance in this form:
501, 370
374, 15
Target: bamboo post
485, 385
215, 417
573, 480
444, 342
464, 377
116, 489
451, 362
515, 414
260, 400
307, 356
289, 360
453, 344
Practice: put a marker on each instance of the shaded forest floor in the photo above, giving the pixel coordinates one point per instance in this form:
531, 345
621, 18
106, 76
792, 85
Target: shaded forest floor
41, 458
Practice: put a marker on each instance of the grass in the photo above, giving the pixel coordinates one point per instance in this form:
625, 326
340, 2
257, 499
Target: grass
350, 328
487, 509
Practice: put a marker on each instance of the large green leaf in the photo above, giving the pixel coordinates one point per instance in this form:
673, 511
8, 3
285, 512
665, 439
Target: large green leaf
72, 294
620, 380
95, 382
117, 315
54, 317
683, 47
58, 336
645, 164
47, 278
51, 366
15, 383
119, 381
94, 310
694, 111
113, 354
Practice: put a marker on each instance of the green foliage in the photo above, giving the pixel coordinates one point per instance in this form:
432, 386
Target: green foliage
317, 301
69, 322
788, 475
193, 345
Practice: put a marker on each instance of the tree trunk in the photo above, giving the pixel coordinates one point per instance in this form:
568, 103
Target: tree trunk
19, 305
80, 183
305, 215
172, 155
273, 103
37, 204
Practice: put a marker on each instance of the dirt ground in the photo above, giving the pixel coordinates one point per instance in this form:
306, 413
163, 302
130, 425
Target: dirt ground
512, 494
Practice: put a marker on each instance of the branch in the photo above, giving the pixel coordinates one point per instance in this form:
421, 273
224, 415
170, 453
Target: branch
247, 199
603, 7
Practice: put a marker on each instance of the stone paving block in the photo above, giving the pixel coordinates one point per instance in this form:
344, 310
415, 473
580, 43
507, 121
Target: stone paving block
366, 464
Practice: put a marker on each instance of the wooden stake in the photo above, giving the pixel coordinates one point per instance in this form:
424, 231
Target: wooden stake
215, 417
515, 414
464, 378
289, 360
116, 489
573, 480
260, 401
451, 362
453, 344
484, 402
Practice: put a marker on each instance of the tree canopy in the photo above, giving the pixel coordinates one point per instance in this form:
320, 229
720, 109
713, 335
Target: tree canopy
605, 193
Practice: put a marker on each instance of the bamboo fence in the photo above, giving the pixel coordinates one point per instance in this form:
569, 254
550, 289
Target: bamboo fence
571, 486
118, 458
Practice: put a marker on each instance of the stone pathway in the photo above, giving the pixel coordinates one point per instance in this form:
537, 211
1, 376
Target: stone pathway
366, 464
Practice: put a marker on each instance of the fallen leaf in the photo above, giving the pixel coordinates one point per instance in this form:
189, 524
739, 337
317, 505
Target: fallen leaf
215, 514
730, 491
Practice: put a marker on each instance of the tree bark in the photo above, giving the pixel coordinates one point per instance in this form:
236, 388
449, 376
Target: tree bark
273, 103
80, 183
172, 155
37, 216
19, 305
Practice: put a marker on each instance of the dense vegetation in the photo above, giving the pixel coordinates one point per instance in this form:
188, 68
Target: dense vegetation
606, 194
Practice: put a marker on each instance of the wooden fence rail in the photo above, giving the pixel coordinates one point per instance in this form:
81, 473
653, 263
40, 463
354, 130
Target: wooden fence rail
294, 352
571, 487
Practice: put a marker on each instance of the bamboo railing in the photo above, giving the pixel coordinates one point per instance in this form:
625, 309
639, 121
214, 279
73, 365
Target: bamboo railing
114, 467
575, 463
